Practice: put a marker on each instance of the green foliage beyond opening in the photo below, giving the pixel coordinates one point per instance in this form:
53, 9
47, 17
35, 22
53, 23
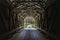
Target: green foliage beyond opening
27, 23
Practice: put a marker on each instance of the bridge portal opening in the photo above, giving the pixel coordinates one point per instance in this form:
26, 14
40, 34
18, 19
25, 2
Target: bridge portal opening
29, 20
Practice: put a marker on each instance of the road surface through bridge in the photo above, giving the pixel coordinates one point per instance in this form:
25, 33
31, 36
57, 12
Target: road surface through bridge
28, 34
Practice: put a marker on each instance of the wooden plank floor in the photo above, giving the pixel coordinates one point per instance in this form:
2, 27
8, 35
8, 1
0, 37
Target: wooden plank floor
26, 34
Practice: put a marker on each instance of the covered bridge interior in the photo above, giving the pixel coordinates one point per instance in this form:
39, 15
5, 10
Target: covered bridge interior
16, 15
